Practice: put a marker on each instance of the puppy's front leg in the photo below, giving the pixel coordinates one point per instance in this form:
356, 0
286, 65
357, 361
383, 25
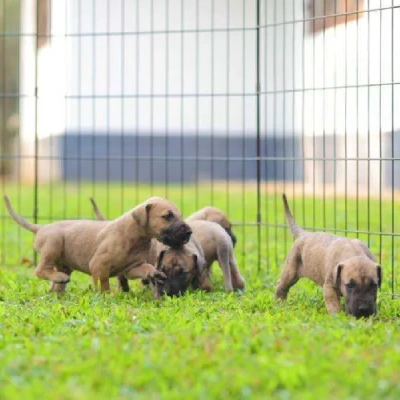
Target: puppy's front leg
100, 272
144, 271
332, 298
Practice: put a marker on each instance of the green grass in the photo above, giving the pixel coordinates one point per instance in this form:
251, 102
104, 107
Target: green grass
201, 346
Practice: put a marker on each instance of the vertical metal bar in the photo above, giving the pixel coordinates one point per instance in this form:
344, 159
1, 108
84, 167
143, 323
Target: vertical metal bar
79, 106
393, 170
197, 102
266, 163
137, 133
94, 102
294, 94
275, 107
182, 204
123, 144
258, 111
368, 131
227, 105
381, 176
3, 122
151, 97
36, 148
335, 129
284, 126
323, 121
166, 97
357, 130
244, 132
108, 108
303, 122
345, 126
212, 101
313, 131
66, 108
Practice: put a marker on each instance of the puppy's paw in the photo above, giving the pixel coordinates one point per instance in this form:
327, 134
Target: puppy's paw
60, 277
156, 277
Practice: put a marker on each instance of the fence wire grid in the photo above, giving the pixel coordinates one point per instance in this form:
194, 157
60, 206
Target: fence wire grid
215, 102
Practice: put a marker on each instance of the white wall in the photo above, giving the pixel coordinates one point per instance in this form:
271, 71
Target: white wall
102, 58
129, 62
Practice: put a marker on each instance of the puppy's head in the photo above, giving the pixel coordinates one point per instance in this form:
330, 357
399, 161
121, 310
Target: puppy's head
182, 269
162, 219
213, 214
358, 279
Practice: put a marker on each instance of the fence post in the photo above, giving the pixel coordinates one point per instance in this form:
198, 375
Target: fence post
258, 90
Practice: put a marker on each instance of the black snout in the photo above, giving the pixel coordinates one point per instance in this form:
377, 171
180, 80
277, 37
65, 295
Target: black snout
171, 290
176, 235
365, 311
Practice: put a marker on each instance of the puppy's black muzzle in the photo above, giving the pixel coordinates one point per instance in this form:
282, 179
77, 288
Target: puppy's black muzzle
171, 288
176, 235
364, 311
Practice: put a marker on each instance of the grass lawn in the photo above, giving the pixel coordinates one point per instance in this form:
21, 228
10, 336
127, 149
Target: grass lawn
201, 346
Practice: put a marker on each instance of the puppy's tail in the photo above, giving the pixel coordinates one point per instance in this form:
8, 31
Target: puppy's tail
96, 210
294, 228
18, 219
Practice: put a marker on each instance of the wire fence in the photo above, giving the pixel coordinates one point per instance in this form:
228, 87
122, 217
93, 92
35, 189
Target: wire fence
214, 102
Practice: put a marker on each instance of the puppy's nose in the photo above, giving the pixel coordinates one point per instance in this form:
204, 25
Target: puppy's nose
363, 308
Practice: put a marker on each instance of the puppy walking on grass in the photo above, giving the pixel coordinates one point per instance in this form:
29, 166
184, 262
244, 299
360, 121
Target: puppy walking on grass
106, 248
342, 266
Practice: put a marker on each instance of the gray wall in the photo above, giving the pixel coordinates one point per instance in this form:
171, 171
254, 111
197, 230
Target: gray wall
128, 158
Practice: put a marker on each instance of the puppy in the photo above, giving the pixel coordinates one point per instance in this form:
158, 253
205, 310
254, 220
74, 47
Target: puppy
106, 248
182, 267
217, 246
213, 214
343, 267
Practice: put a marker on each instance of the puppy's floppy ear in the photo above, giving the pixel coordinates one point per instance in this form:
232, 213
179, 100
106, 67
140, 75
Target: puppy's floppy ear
337, 272
160, 259
379, 271
141, 214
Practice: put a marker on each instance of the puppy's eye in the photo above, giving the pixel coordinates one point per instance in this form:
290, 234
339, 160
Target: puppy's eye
168, 216
182, 272
350, 285
373, 285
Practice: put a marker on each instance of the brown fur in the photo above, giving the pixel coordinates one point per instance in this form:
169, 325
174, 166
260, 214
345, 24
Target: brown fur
343, 267
183, 268
105, 248
213, 214
215, 242
217, 246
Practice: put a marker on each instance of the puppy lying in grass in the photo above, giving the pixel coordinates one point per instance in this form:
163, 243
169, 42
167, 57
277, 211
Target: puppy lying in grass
106, 248
342, 266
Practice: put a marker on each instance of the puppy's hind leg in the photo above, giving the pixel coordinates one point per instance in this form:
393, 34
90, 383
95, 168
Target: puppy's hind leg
237, 279
223, 259
290, 273
47, 268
